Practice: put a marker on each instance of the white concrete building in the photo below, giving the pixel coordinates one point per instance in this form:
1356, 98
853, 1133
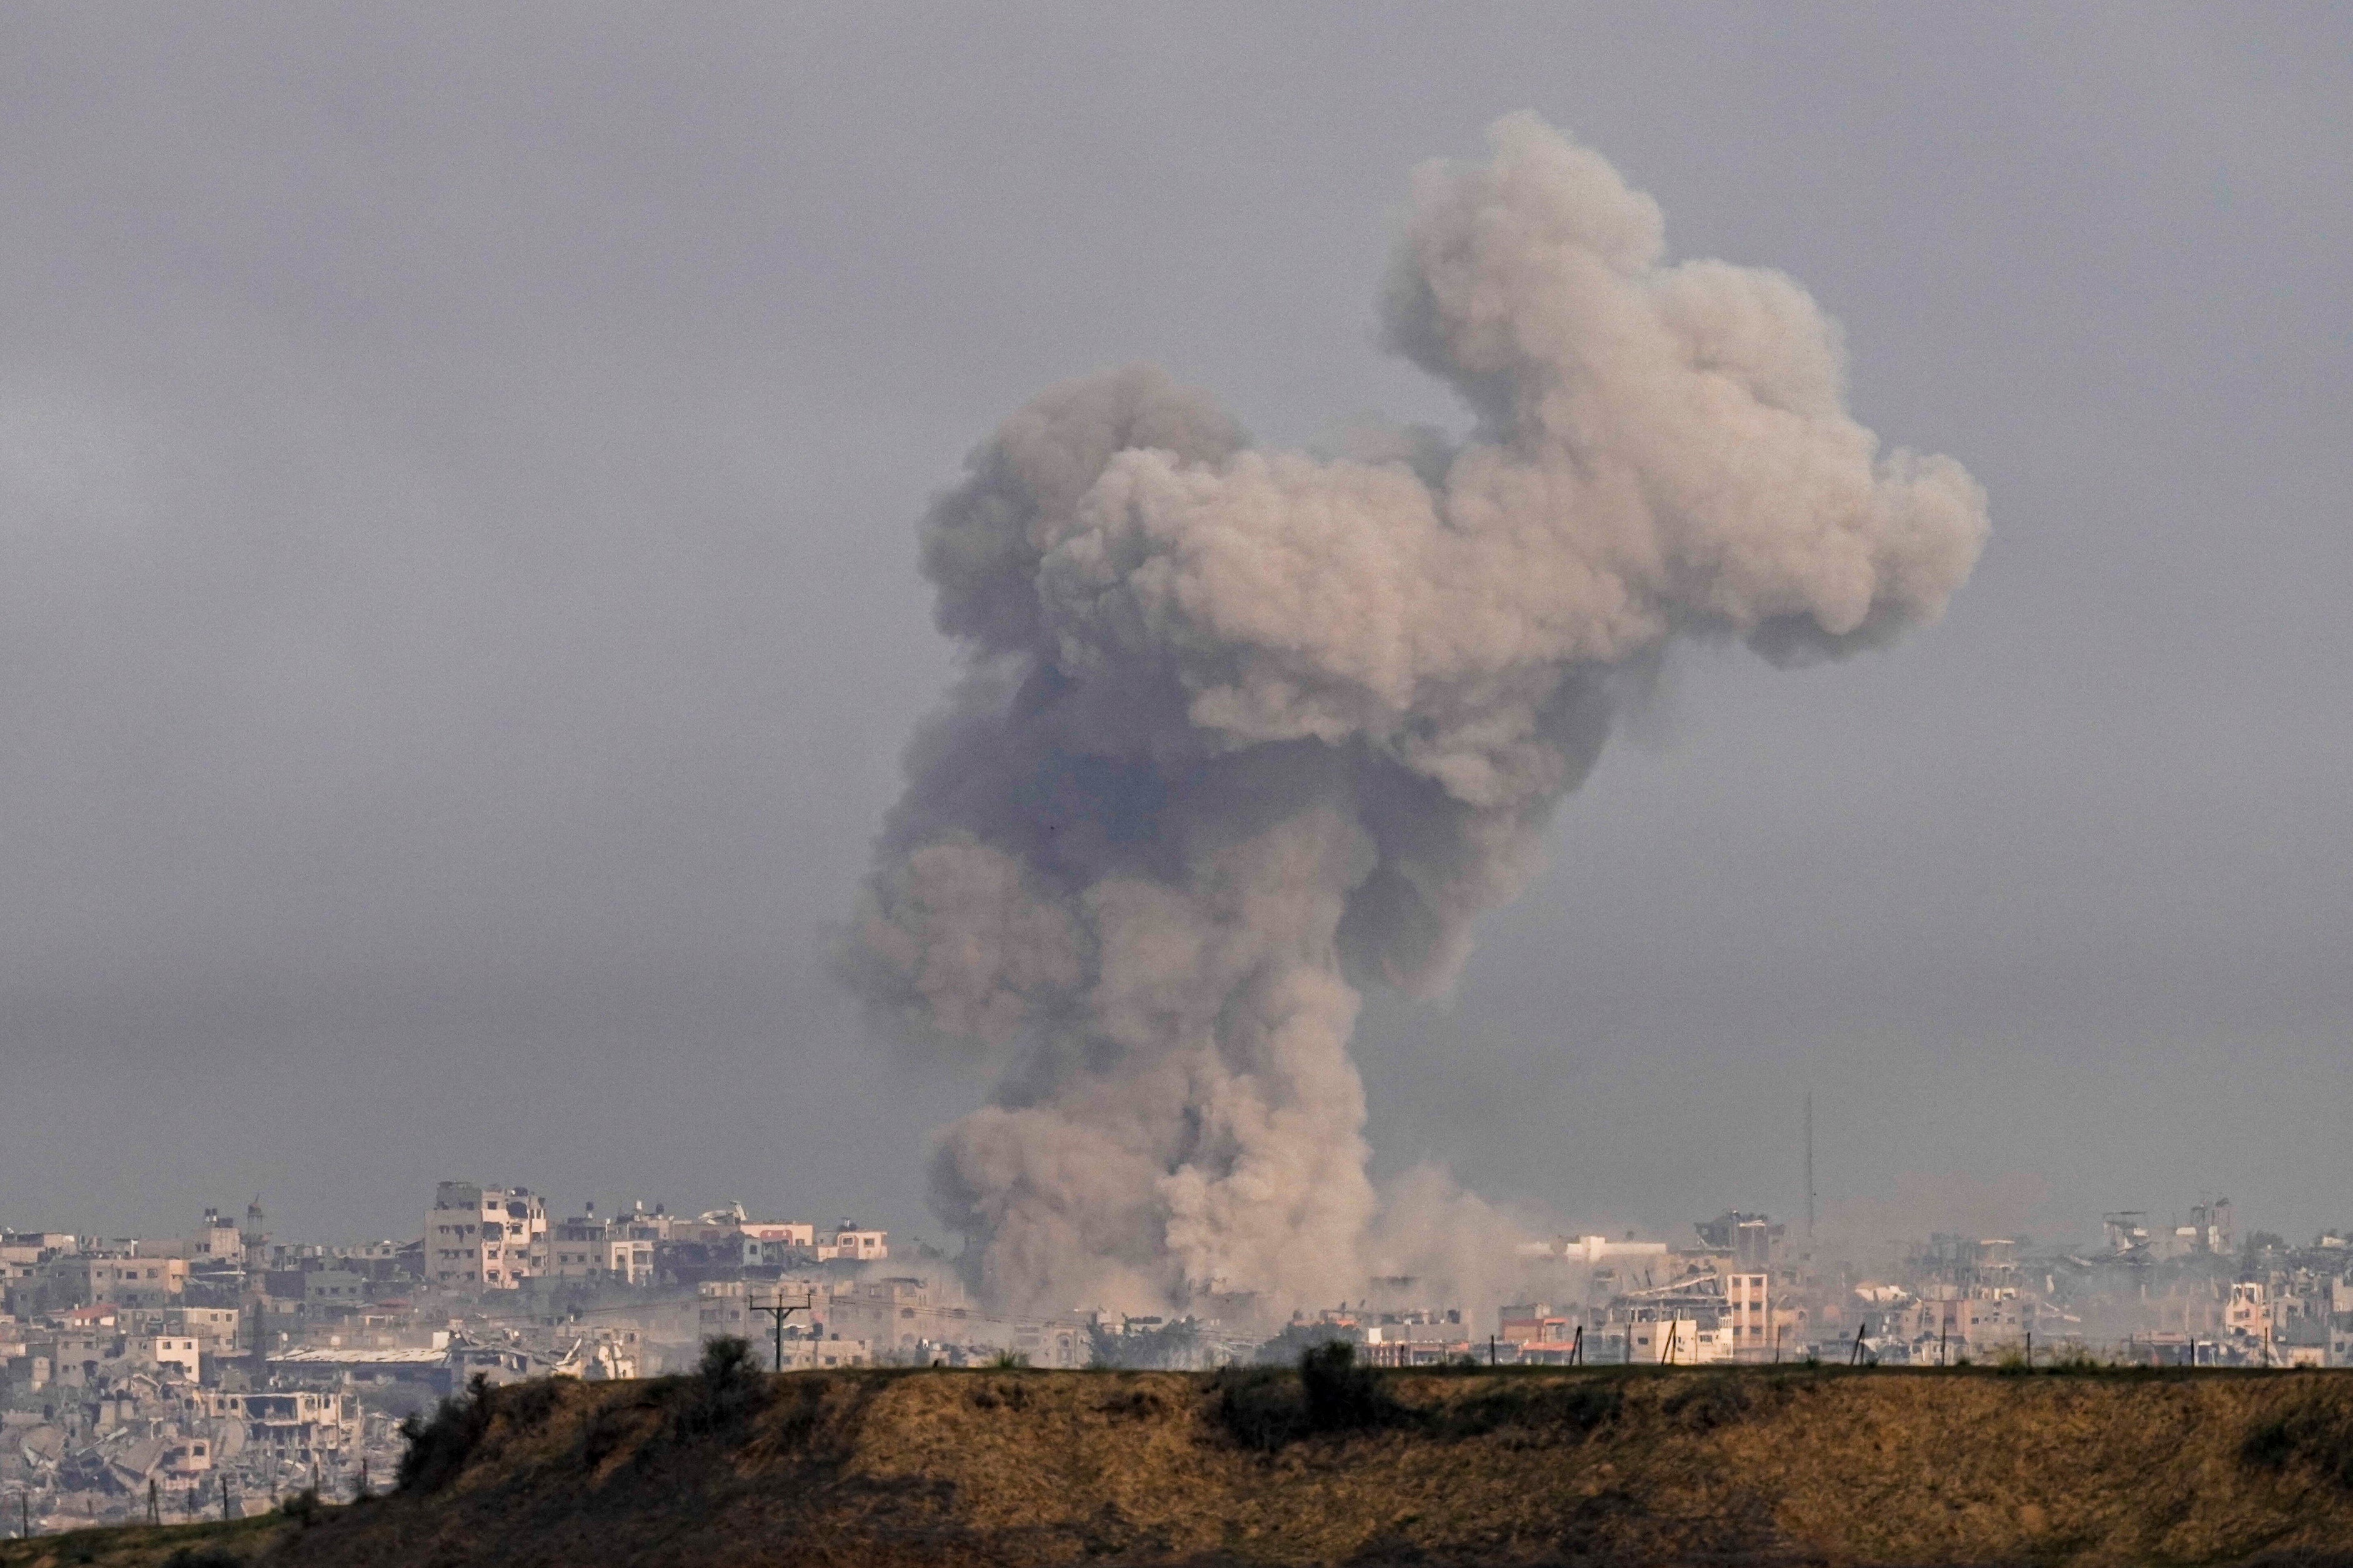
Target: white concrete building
183, 1351
1592, 1250
484, 1239
847, 1241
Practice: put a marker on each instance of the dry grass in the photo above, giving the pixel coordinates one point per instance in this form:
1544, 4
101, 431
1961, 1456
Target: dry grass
144, 1546
1604, 1466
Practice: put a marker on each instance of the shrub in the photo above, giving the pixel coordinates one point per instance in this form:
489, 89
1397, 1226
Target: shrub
2316, 1435
1334, 1393
1707, 1402
301, 1507
1545, 1409
529, 1404
725, 1389
203, 1557
437, 1449
1340, 1396
1258, 1407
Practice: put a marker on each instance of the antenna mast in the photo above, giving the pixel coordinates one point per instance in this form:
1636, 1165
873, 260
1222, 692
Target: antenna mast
1809, 1170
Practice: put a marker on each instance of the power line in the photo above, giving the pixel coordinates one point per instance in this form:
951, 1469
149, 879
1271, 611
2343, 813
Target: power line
780, 1309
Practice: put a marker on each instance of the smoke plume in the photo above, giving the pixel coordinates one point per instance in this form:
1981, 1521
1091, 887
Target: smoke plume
1244, 731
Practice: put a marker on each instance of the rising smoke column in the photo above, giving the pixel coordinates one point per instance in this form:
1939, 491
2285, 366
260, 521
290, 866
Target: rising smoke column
1243, 731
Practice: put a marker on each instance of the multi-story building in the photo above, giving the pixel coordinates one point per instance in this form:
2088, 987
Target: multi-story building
1666, 1340
1591, 1250
620, 1250
576, 1247
217, 1240
1955, 1321
1748, 1314
215, 1328
334, 1286
484, 1239
897, 1316
22, 1255
848, 1242
775, 1244
2250, 1314
115, 1279
182, 1351
294, 1427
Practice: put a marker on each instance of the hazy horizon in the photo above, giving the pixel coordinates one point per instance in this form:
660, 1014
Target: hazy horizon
461, 472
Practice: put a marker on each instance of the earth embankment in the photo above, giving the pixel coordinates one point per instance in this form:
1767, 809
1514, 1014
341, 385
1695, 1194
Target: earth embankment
1606, 1465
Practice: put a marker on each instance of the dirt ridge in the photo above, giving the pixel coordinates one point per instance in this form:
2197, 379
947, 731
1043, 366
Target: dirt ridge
1607, 1465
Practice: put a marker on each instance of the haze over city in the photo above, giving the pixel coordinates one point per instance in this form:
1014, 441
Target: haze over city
463, 482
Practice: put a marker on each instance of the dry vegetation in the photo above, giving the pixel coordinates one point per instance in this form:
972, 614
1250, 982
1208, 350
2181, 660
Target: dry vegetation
1643, 1466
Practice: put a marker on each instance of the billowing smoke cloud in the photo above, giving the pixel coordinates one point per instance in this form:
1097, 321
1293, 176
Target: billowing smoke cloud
1247, 730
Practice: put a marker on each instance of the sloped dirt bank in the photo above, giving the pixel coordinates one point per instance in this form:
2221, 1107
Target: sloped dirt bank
1609, 1466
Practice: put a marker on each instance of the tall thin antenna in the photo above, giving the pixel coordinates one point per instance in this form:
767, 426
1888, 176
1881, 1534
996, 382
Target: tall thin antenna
1809, 1170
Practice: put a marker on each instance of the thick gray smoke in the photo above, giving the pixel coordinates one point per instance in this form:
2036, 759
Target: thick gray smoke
1247, 730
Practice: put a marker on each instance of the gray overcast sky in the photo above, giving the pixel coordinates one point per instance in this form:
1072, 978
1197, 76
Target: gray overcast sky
459, 619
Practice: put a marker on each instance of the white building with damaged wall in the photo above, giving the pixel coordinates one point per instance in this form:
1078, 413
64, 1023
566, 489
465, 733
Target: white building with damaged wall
484, 1239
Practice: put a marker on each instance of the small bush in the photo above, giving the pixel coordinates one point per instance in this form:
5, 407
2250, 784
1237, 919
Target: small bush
203, 1557
2316, 1435
725, 1388
437, 1449
1340, 1396
1265, 1409
1135, 1405
606, 1431
301, 1507
2269, 1446
1259, 1407
529, 1404
1708, 1402
1547, 1409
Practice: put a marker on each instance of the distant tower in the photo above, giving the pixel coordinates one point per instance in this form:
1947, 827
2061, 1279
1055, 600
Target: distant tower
255, 1240
1809, 1170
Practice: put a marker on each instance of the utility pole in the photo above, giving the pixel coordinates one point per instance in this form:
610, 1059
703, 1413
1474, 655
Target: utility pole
155, 1504
223, 1500
780, 1309
1577, 1347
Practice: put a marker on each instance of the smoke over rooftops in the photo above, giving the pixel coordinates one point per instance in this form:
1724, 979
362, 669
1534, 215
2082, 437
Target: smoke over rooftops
1246, 731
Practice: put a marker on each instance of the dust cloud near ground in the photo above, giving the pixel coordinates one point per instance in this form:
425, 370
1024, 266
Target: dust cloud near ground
1243, 731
